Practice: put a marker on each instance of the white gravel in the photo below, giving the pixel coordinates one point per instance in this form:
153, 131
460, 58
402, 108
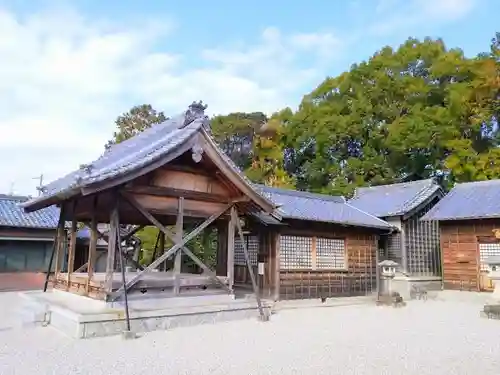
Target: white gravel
432, 337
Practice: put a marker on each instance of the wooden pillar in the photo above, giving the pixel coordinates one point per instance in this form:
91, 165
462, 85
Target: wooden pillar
179, 227
112, 238
275, 243
161, 249
71, 250
221, 259
60, 245
92, 250
230, 247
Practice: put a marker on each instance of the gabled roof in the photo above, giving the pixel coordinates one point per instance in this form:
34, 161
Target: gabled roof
320, 207
12, 214
144, 153
395, 199
471, 200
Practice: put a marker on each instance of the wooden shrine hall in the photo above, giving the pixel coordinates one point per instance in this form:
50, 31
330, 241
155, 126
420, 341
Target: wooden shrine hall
167, 176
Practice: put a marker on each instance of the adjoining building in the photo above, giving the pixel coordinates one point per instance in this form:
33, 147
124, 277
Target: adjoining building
415, 246
469, 222
26, 241
322, 246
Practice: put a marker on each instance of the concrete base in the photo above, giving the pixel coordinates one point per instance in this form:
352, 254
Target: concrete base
83, 317
491, 312
404, 285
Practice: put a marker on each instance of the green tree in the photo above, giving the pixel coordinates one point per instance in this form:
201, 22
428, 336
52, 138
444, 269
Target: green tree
268, 153
135, 121
413, 111
235, 134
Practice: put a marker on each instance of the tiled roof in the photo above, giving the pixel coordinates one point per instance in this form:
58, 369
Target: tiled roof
168, 139
471, 200
396, 199
13, 215
319, 207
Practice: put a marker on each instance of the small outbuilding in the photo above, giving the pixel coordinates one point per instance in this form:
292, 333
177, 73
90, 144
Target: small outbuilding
26, 240
322, 247
415, 245
469, 222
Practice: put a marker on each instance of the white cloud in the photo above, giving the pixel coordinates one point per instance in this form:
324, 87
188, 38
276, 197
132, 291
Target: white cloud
64, 79
404, 15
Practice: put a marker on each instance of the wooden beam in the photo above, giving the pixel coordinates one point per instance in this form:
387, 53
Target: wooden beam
81, 268
187, 169
179, 227
72, 247
160, 191
230, 248
172, 250
234, 217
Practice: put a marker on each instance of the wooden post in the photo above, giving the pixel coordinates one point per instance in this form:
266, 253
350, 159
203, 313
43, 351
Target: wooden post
60, 245
221, 266
179, 227
230, 247
161, 249
92, 251
234, 216
71, 249
314, 254
112, 245
277, 265
55, 247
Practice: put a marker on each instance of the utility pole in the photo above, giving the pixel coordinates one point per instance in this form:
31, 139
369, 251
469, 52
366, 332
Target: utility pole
40, 183
11, 190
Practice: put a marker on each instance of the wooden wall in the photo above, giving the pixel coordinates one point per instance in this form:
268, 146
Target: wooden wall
359, 278
460, 249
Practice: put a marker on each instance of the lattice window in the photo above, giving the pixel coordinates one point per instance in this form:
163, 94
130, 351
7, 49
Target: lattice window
330, 253
487, 250
295, 252
252, 243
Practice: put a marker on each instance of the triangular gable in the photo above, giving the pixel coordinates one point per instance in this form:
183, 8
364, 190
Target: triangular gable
144, 153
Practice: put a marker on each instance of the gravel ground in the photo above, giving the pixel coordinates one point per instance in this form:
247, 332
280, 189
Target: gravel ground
433, 337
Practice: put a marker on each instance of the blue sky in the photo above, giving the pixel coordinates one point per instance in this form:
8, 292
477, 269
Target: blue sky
68, 68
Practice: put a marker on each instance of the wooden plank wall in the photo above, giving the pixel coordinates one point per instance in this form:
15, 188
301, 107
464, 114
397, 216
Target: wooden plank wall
358, 279
460, 249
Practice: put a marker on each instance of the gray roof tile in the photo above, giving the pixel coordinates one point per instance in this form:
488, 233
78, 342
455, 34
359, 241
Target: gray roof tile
319, 207
395, 199
471, 200
134, 153
13, 215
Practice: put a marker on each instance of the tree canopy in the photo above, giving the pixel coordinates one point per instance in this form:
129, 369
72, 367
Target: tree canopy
413, 112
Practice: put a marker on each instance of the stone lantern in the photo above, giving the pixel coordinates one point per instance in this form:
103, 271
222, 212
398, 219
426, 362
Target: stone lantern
492, 307
493, 264
385, 295
388, 268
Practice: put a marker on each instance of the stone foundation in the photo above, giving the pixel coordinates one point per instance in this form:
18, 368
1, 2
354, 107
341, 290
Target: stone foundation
406, 285
82, 317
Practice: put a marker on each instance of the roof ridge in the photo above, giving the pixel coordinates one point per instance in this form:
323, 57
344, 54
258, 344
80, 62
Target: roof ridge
415, 197
304, 194
11, 197
398, 184
482, 182
366, 213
